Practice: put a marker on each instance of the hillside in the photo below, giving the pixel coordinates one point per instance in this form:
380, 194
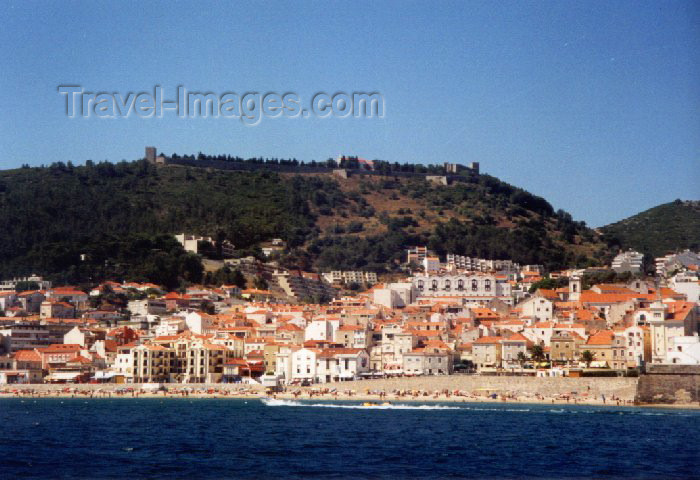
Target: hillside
659, 230
104, 220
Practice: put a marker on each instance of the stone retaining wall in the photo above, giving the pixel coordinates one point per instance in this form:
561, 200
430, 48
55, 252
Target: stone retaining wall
670, 384
622, 387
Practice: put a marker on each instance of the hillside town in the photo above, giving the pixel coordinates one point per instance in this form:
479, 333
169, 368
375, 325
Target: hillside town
456, 315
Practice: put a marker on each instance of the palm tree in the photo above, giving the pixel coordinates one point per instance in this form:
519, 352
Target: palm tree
587, 356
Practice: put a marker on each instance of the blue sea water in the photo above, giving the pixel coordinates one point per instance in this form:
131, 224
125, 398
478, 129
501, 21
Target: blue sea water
225, 438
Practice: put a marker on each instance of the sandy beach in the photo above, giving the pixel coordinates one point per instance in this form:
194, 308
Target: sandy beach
380, 390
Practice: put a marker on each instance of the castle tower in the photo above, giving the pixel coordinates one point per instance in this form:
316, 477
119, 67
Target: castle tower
659, 336
575, 288
151, 154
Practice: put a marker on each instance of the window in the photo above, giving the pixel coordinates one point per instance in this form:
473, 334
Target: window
475, 285
487, 285
448, 285
421, 285
460, 284
434, 285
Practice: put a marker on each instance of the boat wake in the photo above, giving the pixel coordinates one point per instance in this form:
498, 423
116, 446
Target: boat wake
272, 402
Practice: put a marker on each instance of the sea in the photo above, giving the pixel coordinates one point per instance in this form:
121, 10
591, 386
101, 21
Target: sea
256, 439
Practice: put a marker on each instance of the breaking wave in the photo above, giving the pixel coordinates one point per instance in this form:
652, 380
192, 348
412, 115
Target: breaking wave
272, 402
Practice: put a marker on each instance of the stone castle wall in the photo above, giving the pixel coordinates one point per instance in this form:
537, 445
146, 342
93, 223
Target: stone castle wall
669, 384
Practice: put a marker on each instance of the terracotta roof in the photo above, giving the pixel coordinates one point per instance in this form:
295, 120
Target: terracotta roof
489, 340
516, 337
61, 348
604, 337
27, 356
350, 328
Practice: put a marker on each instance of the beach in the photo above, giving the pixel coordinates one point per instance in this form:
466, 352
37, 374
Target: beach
571, 391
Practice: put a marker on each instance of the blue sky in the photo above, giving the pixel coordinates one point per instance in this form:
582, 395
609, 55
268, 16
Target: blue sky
593, 105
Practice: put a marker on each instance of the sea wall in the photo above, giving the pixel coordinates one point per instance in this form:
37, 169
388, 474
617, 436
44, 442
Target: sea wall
662, 384
669, 384
622, 387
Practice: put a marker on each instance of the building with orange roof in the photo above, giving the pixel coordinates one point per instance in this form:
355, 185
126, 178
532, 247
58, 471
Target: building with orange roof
608, 349
667, 320
432, 359
289, 333
57, 354
353, 336
513, 349
487, 352
56, 309
565, 347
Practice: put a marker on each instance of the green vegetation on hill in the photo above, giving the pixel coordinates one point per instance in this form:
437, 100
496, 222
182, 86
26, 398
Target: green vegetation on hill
658, 231
87, 223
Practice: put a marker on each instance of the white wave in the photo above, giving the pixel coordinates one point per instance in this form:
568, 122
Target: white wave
272, 402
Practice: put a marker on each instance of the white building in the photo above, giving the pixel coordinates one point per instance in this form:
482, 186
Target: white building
321, 329
538, 308
480, 264
348, 277
479, 288
431, 265
638, 345
191, 244
169, 326
334, 364
74, 336
676, 261
199, 323
395, 295
10, 285
304, 364
629, 261
666, 321
152, 306
688, 284
684, 350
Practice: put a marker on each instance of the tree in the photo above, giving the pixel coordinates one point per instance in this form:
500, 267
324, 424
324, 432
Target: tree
260, 283
548, 284
587, 356
24, 286
521, 359
208, 307
537, 353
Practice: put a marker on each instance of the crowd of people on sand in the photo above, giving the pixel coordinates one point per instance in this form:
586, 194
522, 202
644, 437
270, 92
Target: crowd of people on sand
483, 394
457, 395
77, 392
